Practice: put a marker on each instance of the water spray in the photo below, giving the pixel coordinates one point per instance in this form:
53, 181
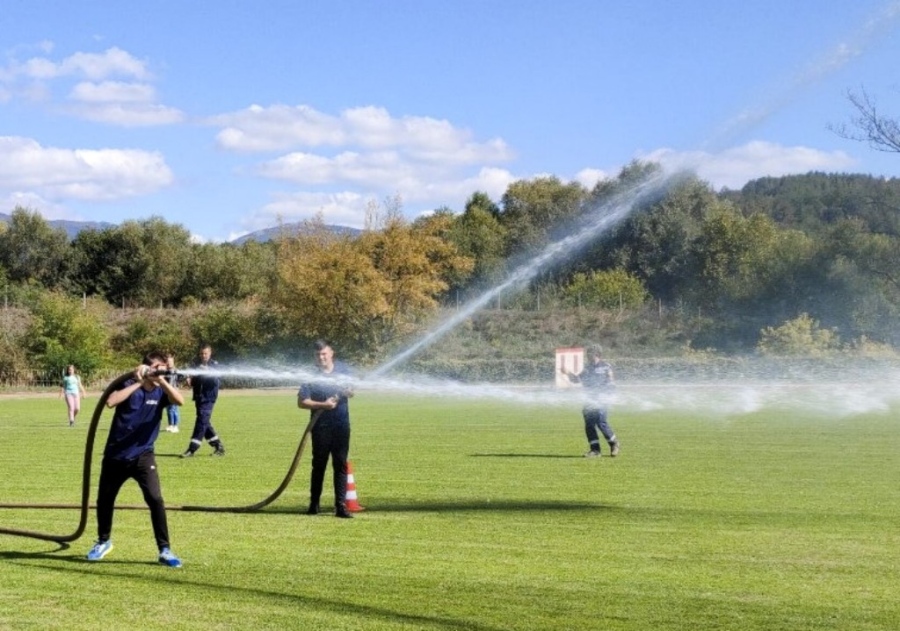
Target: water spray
600, 219
748, 388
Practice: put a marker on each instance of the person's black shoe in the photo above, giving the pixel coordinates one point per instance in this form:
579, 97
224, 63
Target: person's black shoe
220, 451
342, 512
188, 454
313, 509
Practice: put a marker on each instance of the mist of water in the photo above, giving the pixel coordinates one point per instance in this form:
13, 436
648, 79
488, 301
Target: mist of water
827, 394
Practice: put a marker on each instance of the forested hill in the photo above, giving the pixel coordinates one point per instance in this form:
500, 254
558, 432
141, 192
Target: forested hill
71, 228
804, 263
816, 200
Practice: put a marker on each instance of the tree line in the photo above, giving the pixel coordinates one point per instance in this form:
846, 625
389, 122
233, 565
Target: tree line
802, 261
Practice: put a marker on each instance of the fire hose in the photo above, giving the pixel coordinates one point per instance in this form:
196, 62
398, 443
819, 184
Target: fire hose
85, 505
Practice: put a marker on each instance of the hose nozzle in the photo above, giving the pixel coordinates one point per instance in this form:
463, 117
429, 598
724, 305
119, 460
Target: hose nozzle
158, 372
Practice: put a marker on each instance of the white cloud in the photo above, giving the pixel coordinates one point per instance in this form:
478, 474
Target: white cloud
96, 95
734, 167
48, 210
129, 114
346, 208
81, 174
589, 177
385, 169
112, 92
455, 192
277, 128
426, 162
95, 66
282, 127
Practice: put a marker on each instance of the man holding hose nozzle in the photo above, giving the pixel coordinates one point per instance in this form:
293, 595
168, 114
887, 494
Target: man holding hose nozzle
129, 453
328, 399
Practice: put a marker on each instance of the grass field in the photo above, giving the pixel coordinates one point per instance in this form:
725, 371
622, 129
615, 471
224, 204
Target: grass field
480, 515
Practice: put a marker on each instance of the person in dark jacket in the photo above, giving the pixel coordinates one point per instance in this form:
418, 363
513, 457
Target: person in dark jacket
327, 398
129, 454
205, 389
597, 379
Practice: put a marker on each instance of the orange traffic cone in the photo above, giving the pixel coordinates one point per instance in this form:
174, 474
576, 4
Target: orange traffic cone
351, 500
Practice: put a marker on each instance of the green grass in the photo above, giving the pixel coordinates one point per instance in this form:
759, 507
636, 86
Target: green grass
480, 515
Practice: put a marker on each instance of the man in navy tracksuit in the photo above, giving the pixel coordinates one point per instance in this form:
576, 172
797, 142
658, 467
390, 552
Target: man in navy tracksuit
597, 379
129, 454
327, 400
206, 391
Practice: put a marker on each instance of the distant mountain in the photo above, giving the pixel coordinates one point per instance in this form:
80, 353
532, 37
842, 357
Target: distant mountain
289, 228
72, 229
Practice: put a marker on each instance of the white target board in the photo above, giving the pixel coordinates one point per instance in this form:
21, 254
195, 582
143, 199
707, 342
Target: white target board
568, 360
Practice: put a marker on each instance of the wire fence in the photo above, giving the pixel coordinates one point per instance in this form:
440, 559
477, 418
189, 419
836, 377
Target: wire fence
38, 381
27, 380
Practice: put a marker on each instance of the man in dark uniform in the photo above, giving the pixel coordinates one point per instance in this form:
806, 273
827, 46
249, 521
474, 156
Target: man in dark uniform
129, 454
205, 393
597, 379
327, 400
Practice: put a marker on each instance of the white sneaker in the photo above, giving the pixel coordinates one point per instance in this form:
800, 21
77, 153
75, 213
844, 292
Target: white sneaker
174, 429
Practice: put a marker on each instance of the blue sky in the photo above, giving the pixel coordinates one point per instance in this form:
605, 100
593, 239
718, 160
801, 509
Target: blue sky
229, 116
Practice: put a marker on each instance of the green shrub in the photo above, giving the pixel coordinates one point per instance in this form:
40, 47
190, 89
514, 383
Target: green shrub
607, 289
800, 336
67, 331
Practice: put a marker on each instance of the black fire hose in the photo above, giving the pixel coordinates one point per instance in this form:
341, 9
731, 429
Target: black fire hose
86, 479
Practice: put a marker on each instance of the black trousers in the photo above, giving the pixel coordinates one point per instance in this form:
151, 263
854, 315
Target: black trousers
142, 470
594, 418
203, 428
329, 440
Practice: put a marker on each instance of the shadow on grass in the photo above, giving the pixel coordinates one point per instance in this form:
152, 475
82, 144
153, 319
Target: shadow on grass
527, 456
501, 506
227, 593
79, 558
48, 554
491, 506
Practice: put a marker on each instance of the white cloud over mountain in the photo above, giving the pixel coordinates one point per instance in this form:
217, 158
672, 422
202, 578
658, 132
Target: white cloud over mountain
79, 174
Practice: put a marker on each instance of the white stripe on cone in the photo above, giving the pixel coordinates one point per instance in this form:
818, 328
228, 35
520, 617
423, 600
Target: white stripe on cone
351, 498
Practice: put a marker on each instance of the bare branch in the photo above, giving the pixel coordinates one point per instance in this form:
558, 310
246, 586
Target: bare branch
870, 126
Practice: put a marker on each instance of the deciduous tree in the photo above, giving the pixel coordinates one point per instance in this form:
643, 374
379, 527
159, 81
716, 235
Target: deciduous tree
32, 251
328, 287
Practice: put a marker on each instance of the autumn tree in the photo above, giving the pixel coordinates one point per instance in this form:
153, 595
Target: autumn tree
328, 287
416, 262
